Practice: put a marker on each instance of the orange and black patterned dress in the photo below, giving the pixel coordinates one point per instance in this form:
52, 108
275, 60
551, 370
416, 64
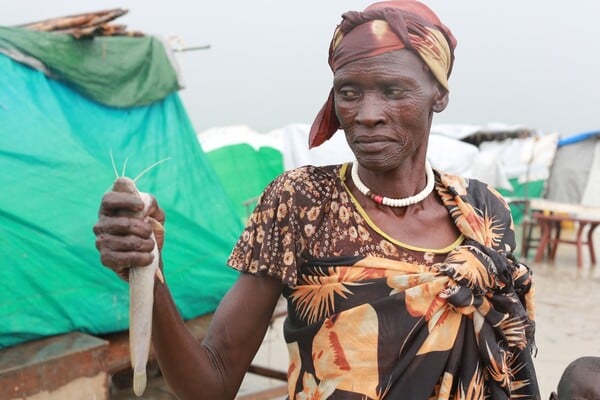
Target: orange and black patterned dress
370, 317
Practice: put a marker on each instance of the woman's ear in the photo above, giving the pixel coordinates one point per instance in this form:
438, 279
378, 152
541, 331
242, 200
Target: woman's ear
441, 100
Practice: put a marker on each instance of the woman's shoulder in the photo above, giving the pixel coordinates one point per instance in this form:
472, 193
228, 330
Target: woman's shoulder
309, 180
312, 173
469, 188
479, 195
476, 204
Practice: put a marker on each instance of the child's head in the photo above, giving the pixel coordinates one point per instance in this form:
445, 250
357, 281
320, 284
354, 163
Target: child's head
579, 381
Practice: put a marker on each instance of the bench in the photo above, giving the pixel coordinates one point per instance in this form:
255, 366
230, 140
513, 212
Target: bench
69, 366
76, 365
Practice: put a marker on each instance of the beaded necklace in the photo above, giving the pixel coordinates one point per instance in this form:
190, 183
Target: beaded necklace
387, 201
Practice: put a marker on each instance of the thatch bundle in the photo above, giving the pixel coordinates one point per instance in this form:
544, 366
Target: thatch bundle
85, 25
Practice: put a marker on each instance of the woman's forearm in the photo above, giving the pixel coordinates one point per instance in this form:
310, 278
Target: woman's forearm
188, 367
215, 368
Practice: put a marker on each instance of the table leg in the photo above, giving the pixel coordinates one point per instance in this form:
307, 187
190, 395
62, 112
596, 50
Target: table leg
591, 243
525, 238
544, 240
553, 245
578, 243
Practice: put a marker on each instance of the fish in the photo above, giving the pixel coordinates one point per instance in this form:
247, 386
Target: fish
141, 288
141, 295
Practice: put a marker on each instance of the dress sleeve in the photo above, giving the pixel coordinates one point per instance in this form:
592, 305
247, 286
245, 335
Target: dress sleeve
269, 243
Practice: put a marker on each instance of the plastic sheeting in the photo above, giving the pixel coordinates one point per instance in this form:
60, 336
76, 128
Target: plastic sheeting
575, 171
245, 172
244, 160
98, 67
55, 160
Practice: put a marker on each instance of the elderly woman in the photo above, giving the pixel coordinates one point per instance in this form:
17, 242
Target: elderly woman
399, 279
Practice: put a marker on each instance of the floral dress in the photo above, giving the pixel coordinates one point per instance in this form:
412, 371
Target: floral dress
370, 317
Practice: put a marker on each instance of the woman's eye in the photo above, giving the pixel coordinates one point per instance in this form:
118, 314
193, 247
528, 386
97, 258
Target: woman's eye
348, 93
394, 92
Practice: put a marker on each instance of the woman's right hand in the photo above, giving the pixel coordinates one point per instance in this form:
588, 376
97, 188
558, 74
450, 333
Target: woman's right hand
123, 233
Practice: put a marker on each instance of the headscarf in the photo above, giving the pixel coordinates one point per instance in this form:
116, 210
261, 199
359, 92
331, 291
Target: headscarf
381, 28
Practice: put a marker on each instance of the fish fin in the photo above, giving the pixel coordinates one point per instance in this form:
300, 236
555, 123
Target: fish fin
160, 275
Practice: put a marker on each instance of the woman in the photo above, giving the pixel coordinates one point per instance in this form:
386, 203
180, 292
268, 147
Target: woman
399, 279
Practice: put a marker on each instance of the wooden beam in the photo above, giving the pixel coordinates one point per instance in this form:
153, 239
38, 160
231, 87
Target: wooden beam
48, 364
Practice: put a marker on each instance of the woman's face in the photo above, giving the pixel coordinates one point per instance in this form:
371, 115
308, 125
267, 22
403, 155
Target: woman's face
385, 105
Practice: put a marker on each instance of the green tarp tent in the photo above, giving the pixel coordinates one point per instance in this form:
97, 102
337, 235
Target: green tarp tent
55, 145
244, 185
245, 162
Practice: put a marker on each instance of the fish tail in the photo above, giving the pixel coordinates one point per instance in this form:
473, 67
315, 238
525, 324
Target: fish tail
139, 382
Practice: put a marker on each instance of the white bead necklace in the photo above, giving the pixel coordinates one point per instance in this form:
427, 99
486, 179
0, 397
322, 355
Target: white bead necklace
407, 201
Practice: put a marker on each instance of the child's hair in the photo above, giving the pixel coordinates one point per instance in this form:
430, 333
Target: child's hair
580, 380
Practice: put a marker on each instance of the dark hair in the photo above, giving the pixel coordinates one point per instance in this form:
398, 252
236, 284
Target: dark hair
579, 380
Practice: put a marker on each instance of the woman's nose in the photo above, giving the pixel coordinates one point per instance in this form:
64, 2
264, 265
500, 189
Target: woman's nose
370, 111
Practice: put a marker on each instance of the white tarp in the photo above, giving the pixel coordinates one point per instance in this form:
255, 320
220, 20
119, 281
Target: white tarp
222, 136
296, 152
527, 159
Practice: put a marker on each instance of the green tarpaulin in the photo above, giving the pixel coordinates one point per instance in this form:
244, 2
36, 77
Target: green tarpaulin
245, 172
117, 71
523, 190
55, 149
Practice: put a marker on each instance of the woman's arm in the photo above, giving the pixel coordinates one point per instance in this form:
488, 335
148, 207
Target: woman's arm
214, 369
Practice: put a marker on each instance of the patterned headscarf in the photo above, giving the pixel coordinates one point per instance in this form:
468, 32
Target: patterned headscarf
381, 28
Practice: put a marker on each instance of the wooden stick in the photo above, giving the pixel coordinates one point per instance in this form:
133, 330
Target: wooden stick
78, 20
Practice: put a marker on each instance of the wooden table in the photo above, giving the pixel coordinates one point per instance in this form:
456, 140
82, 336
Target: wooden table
550, 222
558, 207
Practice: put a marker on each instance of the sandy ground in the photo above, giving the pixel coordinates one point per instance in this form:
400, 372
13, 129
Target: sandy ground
567, 318
567, 315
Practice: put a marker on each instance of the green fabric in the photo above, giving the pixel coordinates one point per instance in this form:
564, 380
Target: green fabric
531, 189
245, 172
55, 160
118, 71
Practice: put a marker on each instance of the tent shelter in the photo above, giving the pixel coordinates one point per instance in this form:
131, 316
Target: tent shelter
571, 198
575, 173
59, 122
516, 160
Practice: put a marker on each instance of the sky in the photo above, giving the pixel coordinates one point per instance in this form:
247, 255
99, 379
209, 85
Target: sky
533, 63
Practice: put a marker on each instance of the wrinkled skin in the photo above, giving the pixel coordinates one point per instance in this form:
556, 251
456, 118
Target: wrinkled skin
387, 113
125, 242
385, 104
387, 126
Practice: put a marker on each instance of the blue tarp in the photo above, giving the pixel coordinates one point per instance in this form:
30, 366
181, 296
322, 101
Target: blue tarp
578, 137
55, 149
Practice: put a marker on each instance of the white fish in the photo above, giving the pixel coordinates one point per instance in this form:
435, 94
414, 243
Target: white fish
141, 296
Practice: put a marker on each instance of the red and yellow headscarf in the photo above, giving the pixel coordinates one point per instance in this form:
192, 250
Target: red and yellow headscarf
381, 28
